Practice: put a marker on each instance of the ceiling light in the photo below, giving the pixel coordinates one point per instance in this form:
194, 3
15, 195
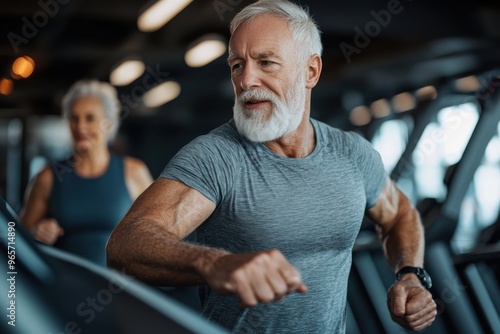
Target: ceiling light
161, 94
360, 116
160, 13
6, 86
23, 67
403, 102
126, 72
205, 50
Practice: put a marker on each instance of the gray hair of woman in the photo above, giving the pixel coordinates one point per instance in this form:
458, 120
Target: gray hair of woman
304, 30
106, 93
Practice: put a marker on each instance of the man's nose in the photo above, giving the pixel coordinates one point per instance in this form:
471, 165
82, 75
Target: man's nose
249, 78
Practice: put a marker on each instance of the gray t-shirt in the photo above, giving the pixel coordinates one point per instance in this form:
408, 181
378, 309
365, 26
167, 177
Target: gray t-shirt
309, 208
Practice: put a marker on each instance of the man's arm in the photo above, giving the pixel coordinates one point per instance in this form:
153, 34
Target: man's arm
402, 235
148, 244
399, 227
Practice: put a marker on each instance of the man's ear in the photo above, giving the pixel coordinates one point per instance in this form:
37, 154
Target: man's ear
314, 67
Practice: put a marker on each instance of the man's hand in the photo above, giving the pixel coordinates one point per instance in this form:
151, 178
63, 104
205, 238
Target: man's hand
47, 231
260, 277
410, 304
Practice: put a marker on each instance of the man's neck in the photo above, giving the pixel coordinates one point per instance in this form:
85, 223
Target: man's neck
297, 144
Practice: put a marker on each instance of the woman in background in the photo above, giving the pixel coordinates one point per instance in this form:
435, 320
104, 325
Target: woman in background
76, 203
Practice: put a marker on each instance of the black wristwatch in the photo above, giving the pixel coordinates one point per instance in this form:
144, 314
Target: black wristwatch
422, 275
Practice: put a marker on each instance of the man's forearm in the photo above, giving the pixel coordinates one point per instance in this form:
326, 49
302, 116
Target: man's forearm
148, 252
404, 243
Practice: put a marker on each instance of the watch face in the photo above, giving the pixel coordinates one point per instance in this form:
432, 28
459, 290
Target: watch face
425, 279
422, 275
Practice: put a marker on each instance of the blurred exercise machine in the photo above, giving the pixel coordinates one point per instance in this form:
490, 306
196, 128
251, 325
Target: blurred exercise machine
466, 286
57, 292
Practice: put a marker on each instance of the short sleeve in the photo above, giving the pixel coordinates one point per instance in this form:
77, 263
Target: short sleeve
370, 165
207, 164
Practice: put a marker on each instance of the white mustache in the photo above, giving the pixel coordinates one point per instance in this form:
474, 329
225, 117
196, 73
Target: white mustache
257, 94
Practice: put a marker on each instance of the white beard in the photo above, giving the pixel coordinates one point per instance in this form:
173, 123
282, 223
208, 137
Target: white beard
285, 116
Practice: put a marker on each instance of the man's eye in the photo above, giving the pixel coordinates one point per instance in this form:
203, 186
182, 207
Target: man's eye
266, 62
235, 67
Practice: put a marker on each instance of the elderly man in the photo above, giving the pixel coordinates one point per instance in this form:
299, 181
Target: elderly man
276, 198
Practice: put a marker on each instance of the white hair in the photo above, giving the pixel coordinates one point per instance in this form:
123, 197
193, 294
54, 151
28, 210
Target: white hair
304, 30
93, 88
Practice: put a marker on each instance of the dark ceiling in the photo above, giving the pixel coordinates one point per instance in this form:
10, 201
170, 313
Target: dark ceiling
422, 42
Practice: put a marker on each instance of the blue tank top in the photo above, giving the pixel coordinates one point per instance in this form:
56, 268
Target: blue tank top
88, 209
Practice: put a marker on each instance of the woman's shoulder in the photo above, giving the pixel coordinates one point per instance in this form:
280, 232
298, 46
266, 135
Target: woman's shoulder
137, 175
137, 170
133, 164
42, 182
132, 161
45, 176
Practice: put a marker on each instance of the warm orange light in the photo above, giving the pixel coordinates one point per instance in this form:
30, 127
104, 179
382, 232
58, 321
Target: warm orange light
426, 93
403, 102
468, 84
6, 86
23, 67
380, 108
360, 115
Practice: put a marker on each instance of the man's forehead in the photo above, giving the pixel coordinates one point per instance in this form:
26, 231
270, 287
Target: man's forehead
259, 47
263, 54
